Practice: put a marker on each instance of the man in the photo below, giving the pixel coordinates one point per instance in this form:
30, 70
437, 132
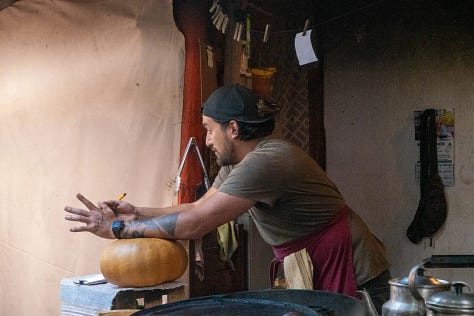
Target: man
292, 201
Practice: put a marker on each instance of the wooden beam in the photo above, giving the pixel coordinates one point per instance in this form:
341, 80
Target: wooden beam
191, 19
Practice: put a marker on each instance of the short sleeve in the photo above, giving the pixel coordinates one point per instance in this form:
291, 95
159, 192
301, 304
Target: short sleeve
258, 177
221, 176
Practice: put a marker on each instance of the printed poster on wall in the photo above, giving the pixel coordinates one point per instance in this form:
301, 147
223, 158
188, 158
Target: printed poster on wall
445, 144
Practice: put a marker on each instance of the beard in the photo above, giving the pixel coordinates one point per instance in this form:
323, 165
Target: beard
226, 156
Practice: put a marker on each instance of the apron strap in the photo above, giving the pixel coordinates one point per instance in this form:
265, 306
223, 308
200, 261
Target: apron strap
331, 253
274, 267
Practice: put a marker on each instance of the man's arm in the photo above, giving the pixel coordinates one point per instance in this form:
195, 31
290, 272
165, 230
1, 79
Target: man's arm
143, 213
126, 211
192, 222
206, 215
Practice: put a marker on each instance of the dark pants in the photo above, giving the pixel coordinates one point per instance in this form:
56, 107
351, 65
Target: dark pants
378, 289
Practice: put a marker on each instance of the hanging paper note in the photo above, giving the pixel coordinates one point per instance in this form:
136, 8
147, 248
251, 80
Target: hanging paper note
304, 48
210, 58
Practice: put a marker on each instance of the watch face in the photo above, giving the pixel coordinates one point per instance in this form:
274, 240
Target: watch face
116, 228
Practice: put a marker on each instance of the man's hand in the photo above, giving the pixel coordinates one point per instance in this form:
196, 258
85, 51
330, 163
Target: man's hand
123, 210
98, 219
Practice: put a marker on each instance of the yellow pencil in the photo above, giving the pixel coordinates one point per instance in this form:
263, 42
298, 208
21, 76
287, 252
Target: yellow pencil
122, 196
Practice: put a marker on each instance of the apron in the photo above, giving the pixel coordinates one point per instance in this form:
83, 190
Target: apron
331, 254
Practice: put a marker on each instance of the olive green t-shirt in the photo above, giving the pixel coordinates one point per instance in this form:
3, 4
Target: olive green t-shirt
294, 198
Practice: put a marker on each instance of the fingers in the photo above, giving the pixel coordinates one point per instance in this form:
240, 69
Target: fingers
78, 216
105, 207
110, 202
85, 228
75, 216
93, 228
119, 207
97, 220
77, 211
86, 202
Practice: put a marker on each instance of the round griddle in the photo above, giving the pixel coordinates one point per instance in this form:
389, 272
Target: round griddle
263, 303
219, 306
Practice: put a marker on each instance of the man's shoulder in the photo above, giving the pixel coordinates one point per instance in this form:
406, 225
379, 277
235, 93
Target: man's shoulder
275, 143
278, 147
271, 153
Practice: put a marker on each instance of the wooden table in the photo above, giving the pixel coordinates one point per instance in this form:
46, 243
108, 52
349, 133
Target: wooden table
80, 299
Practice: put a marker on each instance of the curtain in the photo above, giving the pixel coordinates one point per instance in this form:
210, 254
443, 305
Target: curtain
90, 102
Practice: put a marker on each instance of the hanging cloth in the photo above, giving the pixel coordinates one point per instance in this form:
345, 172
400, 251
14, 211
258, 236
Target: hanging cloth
432, 208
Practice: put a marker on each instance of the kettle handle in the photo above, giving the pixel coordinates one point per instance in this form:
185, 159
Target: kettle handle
411, 280
412, 287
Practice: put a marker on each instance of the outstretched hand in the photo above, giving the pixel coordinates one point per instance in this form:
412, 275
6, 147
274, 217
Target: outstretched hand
124, 210
98, 219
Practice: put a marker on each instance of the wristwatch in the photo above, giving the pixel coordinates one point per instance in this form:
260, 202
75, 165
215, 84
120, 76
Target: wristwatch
117, 229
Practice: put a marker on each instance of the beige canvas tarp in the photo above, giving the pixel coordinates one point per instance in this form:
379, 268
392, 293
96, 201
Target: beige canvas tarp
90, 102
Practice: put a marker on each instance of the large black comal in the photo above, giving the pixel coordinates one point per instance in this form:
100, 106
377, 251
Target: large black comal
432, 208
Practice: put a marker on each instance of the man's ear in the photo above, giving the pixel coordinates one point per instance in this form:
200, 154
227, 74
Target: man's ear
234, 128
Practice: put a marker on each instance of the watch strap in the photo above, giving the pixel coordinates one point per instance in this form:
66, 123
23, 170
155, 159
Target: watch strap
117, 229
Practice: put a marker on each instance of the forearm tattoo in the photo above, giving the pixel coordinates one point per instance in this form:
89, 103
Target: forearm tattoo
164, 225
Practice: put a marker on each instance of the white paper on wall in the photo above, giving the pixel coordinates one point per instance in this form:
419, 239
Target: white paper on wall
445, 145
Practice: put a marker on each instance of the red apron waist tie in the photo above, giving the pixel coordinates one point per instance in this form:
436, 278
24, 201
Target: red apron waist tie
331, 254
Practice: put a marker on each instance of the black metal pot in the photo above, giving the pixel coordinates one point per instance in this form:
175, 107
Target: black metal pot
325, 303
263, 303
220, 306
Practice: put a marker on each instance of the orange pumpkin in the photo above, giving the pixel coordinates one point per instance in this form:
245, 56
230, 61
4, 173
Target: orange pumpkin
143, 261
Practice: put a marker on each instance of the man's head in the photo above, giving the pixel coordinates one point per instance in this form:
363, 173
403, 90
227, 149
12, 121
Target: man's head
229, 114
234, 102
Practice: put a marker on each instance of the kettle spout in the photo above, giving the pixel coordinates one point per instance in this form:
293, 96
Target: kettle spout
371, 310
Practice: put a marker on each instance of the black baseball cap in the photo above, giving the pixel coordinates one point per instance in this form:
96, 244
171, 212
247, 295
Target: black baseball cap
234, 102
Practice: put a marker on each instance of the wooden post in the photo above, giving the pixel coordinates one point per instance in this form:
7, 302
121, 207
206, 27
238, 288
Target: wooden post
191, 19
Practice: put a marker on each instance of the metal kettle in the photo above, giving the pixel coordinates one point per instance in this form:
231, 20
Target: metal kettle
430, 296
451, 303
407, 294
